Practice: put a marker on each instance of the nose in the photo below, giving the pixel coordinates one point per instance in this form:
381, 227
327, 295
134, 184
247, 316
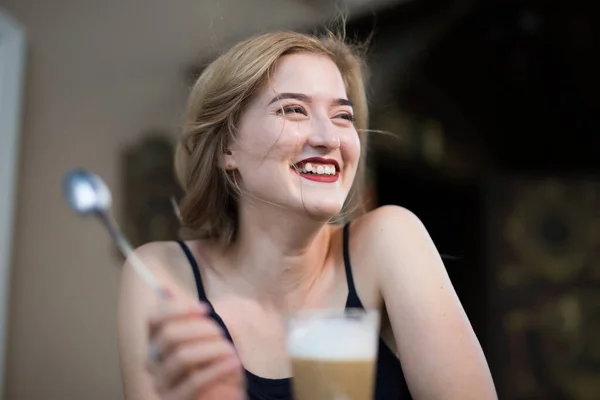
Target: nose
324, 135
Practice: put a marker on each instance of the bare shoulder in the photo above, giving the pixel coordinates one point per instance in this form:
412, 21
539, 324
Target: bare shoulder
404, 259
390, 231
136, 298
388, 220
167, 261
157, 254
441, 356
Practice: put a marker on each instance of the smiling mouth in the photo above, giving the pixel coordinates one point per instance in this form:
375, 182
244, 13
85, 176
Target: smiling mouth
318, 170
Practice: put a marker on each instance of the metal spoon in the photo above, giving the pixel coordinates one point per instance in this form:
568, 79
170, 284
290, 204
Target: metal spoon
87, 194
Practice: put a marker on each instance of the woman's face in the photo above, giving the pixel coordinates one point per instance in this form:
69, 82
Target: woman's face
297, 146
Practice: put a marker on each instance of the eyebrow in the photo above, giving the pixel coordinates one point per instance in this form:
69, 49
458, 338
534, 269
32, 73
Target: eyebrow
307, 99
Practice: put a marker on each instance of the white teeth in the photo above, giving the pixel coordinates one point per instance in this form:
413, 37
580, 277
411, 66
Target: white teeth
318, 169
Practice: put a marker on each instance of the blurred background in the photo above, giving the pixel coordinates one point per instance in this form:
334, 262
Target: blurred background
492, 114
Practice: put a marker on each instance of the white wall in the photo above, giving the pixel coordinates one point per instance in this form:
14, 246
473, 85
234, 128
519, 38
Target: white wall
12, 59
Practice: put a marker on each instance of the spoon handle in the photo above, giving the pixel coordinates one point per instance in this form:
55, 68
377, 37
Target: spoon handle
130, 255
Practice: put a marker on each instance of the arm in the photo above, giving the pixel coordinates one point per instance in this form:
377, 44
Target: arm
440, 354
135, 302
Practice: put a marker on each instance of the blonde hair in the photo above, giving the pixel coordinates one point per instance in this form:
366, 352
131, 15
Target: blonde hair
208, 208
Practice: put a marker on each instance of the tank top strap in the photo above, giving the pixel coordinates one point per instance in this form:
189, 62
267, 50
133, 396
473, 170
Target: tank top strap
353, 301
195, 269
200, 287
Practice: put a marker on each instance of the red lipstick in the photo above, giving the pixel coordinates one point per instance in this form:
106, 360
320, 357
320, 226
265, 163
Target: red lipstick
300, 169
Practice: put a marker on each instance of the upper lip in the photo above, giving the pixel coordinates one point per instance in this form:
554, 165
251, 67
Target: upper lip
319, 160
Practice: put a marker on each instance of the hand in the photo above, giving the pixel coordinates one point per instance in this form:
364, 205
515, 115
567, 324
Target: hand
190, 359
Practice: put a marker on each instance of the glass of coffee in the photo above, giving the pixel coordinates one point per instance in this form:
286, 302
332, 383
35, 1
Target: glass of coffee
333, 353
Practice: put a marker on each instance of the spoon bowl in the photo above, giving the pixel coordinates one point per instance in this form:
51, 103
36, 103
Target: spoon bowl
87, 194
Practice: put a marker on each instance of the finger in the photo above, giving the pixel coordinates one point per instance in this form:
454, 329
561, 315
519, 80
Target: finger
175, 310
198, 355
200, 379
178, 332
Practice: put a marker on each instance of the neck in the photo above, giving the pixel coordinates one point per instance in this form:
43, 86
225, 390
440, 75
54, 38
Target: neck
279, 254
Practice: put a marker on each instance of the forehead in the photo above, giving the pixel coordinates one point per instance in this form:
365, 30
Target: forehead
311, 74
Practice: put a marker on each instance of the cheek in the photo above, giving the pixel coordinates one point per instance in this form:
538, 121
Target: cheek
274, 140
351, 149
280, 139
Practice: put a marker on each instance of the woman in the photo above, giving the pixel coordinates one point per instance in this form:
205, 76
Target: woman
271, 154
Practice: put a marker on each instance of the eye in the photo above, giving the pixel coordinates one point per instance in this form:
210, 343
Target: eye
346, 116
292, 110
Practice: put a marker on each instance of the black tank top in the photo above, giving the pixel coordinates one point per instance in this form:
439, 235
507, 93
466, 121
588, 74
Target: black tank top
390, 383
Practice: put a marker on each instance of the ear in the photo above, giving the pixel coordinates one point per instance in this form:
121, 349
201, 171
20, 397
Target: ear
229, 163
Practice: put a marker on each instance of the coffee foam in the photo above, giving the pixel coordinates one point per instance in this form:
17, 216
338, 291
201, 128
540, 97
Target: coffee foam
332, 340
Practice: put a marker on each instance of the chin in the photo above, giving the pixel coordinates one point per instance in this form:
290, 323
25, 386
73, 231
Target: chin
323, 211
